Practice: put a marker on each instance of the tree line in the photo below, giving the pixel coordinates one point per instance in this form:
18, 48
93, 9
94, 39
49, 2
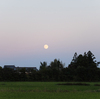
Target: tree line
81, 68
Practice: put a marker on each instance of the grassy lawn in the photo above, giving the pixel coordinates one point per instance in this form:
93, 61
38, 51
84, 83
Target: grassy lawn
47, 90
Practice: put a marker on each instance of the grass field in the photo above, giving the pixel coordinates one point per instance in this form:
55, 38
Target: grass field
48, 90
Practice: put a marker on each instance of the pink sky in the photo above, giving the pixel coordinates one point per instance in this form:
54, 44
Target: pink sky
66, 26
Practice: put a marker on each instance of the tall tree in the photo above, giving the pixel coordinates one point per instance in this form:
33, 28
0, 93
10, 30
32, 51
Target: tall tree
87, 60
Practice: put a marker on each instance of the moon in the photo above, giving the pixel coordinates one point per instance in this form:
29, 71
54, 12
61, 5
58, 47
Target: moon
46, 46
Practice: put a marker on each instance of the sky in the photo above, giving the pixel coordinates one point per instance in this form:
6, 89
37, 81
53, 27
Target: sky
67, 26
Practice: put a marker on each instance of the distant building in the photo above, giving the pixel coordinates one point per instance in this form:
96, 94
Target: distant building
28, 69
10, 66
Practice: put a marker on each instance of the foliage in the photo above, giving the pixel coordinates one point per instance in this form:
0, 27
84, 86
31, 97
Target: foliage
82, 68
87, 60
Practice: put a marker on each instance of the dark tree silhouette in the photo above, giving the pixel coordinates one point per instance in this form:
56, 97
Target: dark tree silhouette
43, 65
87, 60
82, 68
57, 65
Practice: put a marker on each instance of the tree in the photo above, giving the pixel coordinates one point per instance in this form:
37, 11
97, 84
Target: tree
87, 60
91, 62
43, 65
57, 65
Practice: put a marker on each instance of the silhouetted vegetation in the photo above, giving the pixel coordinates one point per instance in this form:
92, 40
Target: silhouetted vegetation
82, 68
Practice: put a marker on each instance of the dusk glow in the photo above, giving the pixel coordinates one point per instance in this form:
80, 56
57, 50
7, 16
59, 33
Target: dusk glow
66, 26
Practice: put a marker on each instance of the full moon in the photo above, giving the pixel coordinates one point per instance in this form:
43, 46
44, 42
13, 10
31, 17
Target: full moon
46, 46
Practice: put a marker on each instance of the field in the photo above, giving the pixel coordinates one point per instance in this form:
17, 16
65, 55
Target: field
48, 90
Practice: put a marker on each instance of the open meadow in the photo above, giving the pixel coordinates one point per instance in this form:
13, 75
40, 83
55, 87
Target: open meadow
49, 90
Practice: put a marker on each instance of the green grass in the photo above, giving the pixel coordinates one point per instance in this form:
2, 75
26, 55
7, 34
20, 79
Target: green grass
47, 90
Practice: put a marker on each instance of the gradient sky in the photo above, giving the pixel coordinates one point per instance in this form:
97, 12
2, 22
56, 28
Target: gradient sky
67, 26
